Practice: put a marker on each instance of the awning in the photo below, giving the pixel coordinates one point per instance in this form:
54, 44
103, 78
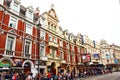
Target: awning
17, 68
40, 66
4, 69
96, 65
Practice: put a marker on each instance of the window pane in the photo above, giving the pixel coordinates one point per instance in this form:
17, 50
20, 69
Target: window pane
30, 14
50, 38
13, 22
53, 53
10, 43
27, 48
28, 29
42, 51
42, 35
15, 6
61, 55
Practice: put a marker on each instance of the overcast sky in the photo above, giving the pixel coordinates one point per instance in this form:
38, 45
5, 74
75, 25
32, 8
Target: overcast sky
99, 19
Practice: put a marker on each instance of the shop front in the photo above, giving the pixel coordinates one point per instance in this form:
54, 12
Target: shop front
53, 67
6, 63
63, 68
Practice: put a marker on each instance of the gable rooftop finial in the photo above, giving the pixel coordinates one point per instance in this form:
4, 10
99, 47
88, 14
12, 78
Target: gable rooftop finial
52, 6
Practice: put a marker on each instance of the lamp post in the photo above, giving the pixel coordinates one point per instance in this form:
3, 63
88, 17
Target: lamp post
38, 39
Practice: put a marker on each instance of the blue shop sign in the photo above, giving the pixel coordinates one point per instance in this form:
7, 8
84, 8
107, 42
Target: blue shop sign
96, 55
116, 61
107, 56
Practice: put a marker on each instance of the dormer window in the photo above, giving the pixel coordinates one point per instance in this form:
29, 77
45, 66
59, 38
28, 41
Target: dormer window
30, 14
15, 6
7, 2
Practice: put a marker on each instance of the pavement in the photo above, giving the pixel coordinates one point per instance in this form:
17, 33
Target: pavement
109, 76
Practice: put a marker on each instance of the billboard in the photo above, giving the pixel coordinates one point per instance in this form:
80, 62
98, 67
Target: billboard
86, 58
96, 56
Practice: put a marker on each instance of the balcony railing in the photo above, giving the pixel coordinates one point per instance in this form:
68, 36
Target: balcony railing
53, 44
43, 58
9, 53
63, 61
27, 55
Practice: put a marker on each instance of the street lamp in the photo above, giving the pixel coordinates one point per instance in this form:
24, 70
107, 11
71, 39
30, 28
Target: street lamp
38, 39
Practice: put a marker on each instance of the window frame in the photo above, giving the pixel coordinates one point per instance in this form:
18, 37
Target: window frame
30, 14
42, 34
28, 26
50, 38
68, 57
11, 20
53, 54
61, 43
43, 54
61, 55
30, 46
13, 42
15, 6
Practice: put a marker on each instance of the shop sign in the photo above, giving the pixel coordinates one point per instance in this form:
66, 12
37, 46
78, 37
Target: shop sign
107, 55
4, 64
115, 61
86, 58
18, 63
27, 65
96, 56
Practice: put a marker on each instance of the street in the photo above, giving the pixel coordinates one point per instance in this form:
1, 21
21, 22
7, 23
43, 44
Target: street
110, 76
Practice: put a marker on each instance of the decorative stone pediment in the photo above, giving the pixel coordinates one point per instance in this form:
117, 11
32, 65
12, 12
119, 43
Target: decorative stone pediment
12, 31
29, 37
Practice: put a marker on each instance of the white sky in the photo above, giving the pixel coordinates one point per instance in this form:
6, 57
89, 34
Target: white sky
99, 19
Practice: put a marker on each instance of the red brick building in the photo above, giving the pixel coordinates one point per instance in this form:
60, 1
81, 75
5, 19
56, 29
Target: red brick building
22, 43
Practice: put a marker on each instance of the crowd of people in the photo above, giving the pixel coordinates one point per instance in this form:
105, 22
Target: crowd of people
93, 72
6, 75
12, 75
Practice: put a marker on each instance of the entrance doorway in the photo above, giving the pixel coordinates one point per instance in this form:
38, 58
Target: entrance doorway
27, 67
42, 70
53, 69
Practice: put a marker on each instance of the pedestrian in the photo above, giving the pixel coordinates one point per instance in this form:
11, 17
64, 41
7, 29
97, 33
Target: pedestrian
49, 76
7, 76
44, 77
14, 77
29, 76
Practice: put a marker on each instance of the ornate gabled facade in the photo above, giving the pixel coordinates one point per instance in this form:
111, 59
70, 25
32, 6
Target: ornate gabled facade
94, 52
92, 49
110, 54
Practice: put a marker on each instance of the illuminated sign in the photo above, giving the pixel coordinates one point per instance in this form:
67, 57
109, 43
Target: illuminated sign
96, 56
86, 58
